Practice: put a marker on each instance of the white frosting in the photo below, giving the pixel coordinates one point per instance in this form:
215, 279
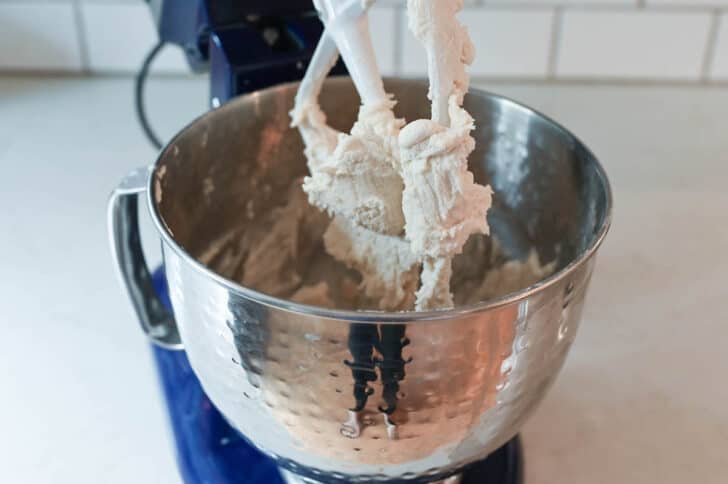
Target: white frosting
434, 292
443, 206
442, 203
383, 179
389, 270
355, 178
314, 295
448, 47
358, 179
319, 138
512, 276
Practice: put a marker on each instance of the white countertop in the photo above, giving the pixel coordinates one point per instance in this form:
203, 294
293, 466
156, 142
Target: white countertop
643, 397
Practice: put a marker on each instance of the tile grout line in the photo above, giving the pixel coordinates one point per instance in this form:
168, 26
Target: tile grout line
707, 59
500, 5
598, 7
711, 46
81, 36
561, 81
555, 42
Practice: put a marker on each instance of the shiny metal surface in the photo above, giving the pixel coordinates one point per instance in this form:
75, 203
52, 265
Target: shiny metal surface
126, 250
372, 396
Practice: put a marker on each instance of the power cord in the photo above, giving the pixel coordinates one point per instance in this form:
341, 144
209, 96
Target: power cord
139, 84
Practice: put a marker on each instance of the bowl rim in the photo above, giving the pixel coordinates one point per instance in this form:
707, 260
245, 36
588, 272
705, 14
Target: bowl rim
378, 316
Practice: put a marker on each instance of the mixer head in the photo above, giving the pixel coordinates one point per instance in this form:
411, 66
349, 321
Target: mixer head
245, 45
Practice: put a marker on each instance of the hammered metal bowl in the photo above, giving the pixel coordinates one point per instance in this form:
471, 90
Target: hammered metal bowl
366, 396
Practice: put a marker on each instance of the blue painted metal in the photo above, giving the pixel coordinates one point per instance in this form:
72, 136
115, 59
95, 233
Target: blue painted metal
246, 58
246, 45
208, 449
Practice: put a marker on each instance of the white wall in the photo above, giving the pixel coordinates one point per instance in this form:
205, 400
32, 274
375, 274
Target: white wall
663, 40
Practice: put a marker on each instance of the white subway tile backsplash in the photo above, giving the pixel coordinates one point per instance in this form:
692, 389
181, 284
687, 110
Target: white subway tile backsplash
414, 60
598, 39
688, 3
119, 35
719, 67
383, 26
508, 43
38, 36
633, 44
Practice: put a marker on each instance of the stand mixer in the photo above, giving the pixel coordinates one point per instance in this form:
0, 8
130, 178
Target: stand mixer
249, 46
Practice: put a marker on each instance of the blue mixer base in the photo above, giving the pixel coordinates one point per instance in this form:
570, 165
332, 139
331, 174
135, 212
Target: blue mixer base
210, 451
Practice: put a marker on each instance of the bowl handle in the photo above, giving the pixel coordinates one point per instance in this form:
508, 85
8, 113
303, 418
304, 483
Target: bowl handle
126, 248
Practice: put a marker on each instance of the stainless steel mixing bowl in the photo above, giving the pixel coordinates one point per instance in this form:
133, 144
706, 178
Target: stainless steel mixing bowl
364, 396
